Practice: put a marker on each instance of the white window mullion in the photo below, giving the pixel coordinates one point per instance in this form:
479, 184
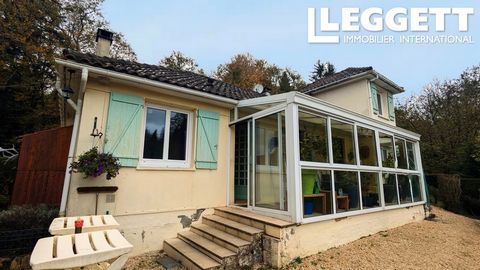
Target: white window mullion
330, 144
355, 141
360, 189
166, 135
334, 197
398, 190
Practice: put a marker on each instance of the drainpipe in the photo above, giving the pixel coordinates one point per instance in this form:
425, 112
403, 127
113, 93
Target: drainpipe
73, 142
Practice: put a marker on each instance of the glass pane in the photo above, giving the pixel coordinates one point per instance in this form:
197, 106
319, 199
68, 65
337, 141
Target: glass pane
370, 189
411, 156
404, 189
270, 162
313, 138
416, 188
367, 146
401, 154
317, 192
178, 136
154, 134
390, 189
343, 143
386, 149
346, 191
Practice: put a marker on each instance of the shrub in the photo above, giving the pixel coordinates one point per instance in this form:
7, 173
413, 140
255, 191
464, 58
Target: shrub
450, 191
27, 217
472, 205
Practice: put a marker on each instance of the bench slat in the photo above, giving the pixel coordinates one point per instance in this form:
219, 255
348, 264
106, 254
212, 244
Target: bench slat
97, 221
82, 244
109, 220
99, 241
44, 250
64, 246
117, 239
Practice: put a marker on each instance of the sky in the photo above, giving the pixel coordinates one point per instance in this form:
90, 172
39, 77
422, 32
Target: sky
213, 31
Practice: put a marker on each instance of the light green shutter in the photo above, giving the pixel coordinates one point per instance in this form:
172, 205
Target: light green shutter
373, 90
122, 137
207, 139
391, 107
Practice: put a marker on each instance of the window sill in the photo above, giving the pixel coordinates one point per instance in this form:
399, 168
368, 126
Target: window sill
157, 168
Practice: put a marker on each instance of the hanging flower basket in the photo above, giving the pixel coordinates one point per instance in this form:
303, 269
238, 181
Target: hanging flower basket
93, 164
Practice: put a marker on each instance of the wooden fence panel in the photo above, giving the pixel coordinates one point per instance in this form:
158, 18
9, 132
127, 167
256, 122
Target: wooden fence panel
41, 167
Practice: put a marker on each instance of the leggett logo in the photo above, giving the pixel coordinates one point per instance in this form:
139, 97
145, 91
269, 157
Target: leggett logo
399, 19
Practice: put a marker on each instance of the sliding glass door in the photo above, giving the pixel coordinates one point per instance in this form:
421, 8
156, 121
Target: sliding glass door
270, 181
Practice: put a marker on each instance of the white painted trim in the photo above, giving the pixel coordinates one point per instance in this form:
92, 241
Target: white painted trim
73, 143
358, 212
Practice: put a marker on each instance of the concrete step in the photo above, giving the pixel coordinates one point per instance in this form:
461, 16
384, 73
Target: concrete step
234, 228
250, 218
221, 238
220, 254
190, 257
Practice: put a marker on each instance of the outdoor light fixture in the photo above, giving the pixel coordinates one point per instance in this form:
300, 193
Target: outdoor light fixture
67, 90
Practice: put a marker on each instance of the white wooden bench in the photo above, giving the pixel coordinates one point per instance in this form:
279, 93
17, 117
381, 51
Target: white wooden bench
77, 250
66, 225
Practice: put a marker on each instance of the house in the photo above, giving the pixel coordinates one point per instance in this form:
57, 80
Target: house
218, 175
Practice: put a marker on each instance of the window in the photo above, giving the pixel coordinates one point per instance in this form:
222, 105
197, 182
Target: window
386, 150
390, 189
401, 154
416, 188
379, 102
370, 189
343, 142
367, 146
270, 162
317, 192
167, 137
313, 137
346, 191
404, 188
411, 156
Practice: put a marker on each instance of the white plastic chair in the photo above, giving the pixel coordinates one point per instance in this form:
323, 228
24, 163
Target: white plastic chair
66, 225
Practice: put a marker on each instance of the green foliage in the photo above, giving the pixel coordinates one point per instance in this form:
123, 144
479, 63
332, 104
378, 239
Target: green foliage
8, 166
321, 70
178, 61
446, 115
93, 164
27, 217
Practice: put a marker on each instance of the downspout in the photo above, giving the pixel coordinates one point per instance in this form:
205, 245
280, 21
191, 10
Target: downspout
73, 141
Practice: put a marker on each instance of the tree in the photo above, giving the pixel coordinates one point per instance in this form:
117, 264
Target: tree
178, 61
81, 21
32, 33
285, 85
446, 115
29, 37
321, 70
245, 71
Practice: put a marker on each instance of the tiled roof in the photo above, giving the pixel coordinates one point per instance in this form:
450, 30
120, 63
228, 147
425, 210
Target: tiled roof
185, 79
335, 78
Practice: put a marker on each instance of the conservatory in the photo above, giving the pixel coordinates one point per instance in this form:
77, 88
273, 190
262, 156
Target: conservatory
304, 160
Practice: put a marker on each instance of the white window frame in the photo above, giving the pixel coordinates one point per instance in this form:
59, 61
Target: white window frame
165, 162
379, 98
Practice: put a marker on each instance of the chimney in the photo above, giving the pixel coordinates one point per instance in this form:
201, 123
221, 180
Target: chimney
104, 40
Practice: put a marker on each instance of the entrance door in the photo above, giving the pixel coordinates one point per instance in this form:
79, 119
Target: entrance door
241, 174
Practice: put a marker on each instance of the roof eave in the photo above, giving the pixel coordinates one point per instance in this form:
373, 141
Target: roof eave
228, 102
395, 88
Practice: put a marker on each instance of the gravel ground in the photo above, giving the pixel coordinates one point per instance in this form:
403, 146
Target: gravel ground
449, 241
